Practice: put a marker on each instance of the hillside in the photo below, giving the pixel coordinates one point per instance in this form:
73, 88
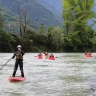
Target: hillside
37, 13
54, 6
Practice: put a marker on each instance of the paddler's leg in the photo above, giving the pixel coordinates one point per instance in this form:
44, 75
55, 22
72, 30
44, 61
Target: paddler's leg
15, 68
21, 68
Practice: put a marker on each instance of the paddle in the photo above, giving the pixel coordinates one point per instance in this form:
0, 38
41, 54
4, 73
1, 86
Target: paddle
5, 63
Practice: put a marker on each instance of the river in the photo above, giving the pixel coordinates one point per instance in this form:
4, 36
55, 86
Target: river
71, 74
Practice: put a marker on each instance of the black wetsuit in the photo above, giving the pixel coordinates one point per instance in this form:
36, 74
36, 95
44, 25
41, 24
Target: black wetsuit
19, 61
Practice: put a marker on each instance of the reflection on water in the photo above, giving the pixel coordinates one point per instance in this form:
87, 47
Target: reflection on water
71, 74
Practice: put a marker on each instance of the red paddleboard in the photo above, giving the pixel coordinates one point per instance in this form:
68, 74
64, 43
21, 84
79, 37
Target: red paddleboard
40, 57
16, 79
51, 58
88, 55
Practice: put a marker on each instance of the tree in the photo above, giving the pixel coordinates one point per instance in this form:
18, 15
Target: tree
1, 19
76, 13
22, 19
55, 38
5, 41
41, 29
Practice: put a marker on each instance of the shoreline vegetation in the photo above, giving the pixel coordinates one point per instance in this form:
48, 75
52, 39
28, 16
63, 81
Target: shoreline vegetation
75, 36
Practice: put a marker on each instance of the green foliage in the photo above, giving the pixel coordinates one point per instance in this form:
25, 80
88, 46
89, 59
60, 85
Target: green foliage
37, 40
1, 20
41, 29
79, 34
55, 38
77, 12
5, 40
30, 35
55, 41
79, 41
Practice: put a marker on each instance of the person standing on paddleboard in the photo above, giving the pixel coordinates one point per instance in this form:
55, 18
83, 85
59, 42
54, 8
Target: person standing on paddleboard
19, 61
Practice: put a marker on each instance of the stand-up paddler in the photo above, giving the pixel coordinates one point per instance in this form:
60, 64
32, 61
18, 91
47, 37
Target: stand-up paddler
19, 61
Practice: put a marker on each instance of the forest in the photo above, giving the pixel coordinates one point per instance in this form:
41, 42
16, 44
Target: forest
75, 35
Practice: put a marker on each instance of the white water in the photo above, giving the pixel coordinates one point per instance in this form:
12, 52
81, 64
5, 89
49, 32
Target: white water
71, 74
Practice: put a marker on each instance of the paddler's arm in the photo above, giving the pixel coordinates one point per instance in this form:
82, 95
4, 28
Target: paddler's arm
22, 53
14, 55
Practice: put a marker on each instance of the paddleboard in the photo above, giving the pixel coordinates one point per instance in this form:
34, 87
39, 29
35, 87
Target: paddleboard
40, 57
51, 58
88, 56
16, 79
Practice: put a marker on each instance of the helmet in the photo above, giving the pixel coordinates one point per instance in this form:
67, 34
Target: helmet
51, 54
19, 46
